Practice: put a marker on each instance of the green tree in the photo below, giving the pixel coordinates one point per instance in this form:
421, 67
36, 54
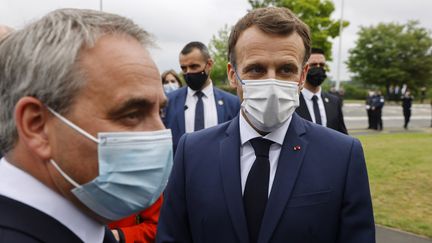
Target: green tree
218, 48
392, 54
316, 14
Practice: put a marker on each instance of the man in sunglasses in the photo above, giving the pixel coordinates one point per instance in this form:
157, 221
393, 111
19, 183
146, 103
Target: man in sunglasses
318, 106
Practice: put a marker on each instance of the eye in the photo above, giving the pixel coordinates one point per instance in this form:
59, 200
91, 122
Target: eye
255, 70
132, 118
287, 70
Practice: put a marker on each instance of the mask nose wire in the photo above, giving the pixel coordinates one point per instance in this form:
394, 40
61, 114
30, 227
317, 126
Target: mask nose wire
73, 126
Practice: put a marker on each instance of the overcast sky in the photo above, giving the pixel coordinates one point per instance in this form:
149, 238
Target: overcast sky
176, 22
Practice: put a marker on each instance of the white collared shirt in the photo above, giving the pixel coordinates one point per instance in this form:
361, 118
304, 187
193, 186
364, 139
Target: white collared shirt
307, 94
247, 153
210, 112
20, 186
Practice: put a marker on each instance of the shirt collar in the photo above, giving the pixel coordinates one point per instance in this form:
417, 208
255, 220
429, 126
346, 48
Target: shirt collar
247, 132
207, 90
308, 94
20, 186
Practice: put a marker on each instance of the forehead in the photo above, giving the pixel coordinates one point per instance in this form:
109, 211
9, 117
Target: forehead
255, 45
316, 58
169, 76
195, 56
118, 68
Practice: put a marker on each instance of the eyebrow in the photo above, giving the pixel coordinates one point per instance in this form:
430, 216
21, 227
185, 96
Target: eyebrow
134, 103
251, 65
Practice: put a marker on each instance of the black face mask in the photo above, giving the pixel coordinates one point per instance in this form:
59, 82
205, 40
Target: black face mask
316, 76
196, 80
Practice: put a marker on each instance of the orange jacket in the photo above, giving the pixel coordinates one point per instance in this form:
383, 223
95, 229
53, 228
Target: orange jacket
139, 228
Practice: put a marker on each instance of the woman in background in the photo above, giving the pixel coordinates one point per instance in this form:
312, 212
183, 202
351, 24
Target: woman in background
171, 81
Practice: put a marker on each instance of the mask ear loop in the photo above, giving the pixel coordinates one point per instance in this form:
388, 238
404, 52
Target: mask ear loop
70, 180
73, 126
237, 76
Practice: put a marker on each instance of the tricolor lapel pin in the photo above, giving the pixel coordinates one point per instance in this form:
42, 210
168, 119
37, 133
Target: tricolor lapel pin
297, 148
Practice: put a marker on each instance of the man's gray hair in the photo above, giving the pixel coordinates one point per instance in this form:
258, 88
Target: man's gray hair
42, 60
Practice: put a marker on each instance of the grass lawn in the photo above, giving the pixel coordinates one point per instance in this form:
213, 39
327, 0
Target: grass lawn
400, 175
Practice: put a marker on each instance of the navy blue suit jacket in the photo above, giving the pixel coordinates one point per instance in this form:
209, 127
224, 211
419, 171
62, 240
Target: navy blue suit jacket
227, 106
20, 223
320, 192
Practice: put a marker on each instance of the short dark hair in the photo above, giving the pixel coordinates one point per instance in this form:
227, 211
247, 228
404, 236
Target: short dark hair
316, 50
189, 47
272, 20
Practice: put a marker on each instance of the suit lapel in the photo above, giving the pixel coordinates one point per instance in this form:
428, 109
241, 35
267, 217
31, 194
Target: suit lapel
303, 110
28, 220
180, 110
220, 106
290, 160
327, 107
230, 171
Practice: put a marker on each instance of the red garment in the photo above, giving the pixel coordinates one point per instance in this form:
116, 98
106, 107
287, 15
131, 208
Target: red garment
140, 228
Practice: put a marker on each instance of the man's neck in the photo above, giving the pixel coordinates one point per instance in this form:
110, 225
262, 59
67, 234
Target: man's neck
206, 84
312, 88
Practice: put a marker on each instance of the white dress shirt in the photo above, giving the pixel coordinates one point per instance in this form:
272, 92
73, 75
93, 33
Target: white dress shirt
20, 186
210, 112
307, 94
247, 153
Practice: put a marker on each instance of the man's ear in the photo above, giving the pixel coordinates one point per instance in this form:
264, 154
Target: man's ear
210, 63
31, 122
231, 76
303, 75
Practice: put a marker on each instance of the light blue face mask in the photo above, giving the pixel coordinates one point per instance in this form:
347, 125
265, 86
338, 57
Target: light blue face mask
133, 171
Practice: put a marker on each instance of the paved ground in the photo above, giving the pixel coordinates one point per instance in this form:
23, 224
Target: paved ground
356, 122
356, 118
387, 235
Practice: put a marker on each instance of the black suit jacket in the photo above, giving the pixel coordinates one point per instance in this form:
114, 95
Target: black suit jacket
333, 109
20, 223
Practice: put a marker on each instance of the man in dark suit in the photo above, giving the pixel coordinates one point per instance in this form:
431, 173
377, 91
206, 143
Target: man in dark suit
268, 175
200, 104
80, 99
315, 105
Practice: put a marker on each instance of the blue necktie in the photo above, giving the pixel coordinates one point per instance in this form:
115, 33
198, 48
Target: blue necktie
199, 112
316, 110
256, 190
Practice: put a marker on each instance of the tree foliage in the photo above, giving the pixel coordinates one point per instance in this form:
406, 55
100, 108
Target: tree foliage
218, 48
316, 14
392, 54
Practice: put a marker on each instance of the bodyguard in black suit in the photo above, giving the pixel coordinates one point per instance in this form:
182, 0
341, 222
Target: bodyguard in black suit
317, 106
199, 105
80, 99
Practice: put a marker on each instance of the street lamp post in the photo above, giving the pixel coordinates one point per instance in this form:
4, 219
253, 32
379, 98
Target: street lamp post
340, 47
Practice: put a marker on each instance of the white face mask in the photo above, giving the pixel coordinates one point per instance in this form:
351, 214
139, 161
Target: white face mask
170, 87
268, 103
133, 171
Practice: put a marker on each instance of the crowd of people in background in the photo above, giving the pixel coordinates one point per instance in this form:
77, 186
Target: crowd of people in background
374, 105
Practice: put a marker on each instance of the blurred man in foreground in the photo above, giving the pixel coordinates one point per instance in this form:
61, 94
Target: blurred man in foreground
80, 127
